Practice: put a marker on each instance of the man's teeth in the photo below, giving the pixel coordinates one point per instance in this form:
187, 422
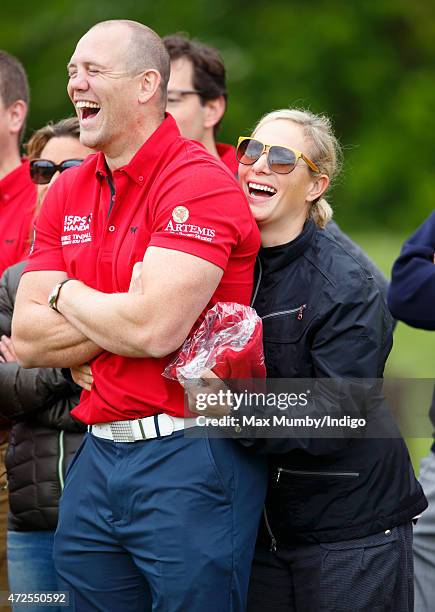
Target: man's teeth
85, 104
260, 187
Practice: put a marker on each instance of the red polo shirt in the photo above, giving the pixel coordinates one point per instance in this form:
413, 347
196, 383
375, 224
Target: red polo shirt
17, 204
227, 154
173, 194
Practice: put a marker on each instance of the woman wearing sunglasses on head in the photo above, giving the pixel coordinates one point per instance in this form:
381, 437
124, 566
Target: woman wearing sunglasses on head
337, 528
38, 401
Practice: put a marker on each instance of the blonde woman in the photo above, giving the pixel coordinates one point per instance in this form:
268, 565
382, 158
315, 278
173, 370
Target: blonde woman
337, 528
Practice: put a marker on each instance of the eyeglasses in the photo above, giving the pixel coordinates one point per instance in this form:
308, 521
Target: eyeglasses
281, 160
176, 95
43, 170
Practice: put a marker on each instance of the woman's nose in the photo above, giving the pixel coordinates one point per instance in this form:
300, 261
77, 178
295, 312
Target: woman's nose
261, 165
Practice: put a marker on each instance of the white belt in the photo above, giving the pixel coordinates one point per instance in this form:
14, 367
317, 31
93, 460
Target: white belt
141, 429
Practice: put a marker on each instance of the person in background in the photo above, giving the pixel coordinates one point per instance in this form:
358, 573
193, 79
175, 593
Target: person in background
17, 192
44, 436
411, 299
197, 94
17, 201
197, 99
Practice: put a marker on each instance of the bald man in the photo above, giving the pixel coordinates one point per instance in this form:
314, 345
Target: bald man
131, 249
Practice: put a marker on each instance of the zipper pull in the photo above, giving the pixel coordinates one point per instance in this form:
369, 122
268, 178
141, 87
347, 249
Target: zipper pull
301, 312
273, 545
269, 530
278, 476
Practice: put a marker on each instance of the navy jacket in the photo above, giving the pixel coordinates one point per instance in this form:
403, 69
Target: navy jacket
411, 296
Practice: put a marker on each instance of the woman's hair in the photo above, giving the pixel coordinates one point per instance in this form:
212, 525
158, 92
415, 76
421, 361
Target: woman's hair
325, 151
65, 128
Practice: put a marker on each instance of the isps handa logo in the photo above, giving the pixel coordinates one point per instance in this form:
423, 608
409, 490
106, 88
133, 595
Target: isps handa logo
76, 229
178, 225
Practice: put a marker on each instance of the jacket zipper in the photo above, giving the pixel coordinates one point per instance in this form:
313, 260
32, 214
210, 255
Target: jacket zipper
260, 274
308, 473
272, 537
299, 310
60, 461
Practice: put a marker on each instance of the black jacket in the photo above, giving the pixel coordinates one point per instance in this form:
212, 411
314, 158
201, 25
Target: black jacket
324, 317
44, 436
356, 251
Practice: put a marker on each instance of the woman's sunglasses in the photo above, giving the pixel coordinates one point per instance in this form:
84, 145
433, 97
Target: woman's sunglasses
43, 170
281, 160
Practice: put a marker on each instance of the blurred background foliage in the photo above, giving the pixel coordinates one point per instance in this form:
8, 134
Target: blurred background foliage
368, 64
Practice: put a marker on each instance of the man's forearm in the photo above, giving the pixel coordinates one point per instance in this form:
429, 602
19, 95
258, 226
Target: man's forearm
114, 321
52, 341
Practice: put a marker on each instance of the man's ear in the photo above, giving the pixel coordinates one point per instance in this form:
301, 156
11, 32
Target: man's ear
214, 110
16, 112
149, 84
317, 187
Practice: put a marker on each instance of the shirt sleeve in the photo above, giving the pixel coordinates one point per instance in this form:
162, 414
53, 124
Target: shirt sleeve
46, 250
201, 211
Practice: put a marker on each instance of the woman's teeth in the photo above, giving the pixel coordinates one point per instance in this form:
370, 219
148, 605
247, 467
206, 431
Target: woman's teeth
255, 188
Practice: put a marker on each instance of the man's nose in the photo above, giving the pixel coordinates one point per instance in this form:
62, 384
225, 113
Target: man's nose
78, 81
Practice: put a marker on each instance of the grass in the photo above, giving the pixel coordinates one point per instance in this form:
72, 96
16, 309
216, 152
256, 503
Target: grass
413, 351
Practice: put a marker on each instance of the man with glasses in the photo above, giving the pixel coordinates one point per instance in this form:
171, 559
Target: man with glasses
129, 254
17, 202
197, 94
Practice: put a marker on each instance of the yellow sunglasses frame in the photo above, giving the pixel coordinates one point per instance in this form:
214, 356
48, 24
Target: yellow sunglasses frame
298, 154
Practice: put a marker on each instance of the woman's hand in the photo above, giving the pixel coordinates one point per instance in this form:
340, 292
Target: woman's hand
7, 350
82, 376
208, 395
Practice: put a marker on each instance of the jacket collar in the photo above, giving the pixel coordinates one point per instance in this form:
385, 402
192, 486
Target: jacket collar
278, 257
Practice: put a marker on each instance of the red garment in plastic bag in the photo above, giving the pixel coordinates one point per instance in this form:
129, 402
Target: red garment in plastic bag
229, 341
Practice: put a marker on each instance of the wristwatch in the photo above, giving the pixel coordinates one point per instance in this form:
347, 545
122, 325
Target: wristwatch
54, 294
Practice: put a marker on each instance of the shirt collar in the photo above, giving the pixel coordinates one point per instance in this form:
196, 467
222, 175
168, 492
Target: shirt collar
145, 159
227, 154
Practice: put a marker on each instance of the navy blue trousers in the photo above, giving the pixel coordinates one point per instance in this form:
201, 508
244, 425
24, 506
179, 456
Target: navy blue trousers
162, 525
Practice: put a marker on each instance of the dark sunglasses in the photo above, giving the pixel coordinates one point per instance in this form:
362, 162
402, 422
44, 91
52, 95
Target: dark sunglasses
43, 170
281, 160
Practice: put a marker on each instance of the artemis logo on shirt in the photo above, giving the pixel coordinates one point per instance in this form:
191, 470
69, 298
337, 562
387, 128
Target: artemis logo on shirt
79, 225
192, 231
180, 214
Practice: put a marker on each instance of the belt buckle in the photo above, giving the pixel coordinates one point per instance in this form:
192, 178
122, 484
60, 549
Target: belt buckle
122, 431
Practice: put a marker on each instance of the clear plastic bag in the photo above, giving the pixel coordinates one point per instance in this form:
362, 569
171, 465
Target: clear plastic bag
229, 341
